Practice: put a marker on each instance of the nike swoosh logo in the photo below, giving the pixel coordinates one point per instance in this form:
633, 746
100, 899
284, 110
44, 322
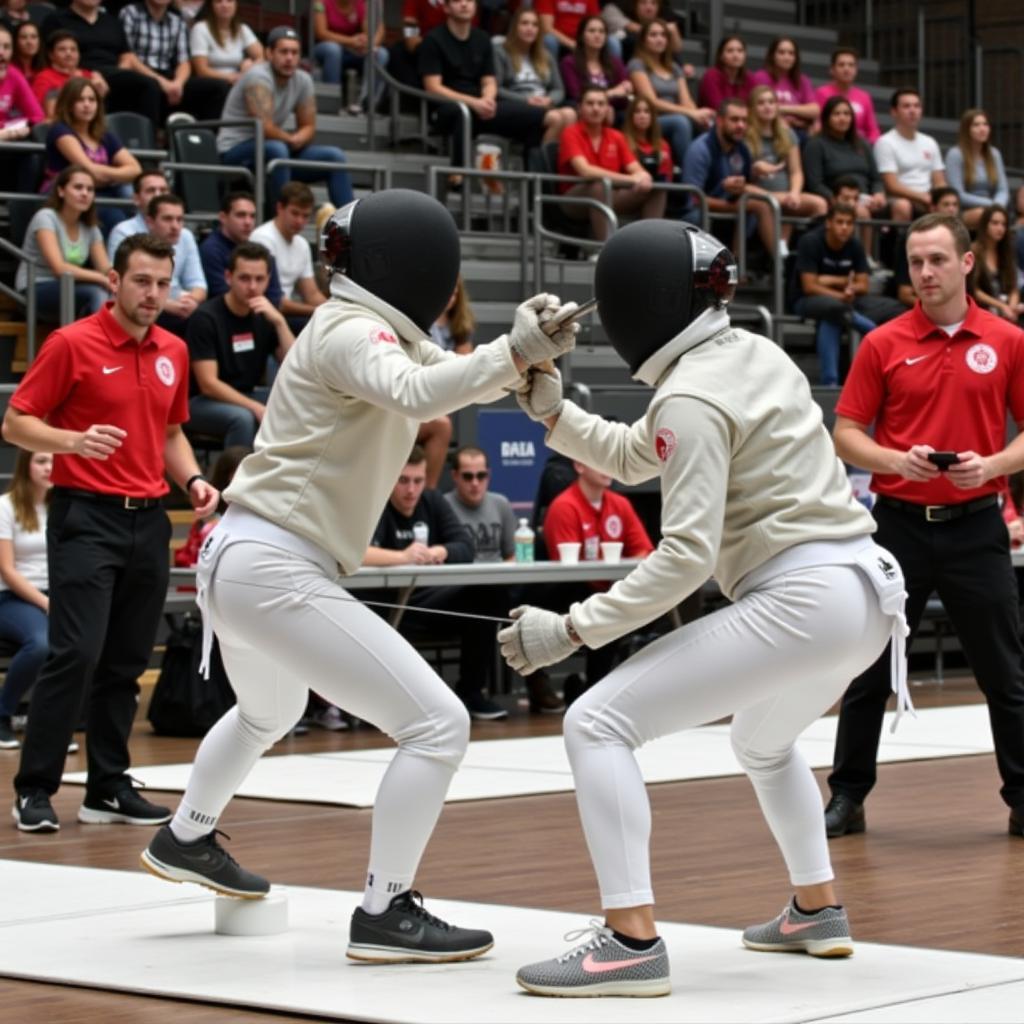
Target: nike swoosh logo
791, 929
112, 369
113, 803
592, 966
916, 359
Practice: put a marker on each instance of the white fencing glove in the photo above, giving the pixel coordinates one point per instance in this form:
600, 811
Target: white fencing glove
528, 338
536, 638
540, 395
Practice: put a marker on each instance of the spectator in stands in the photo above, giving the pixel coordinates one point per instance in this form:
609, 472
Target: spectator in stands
283, 237
398, 540
457, 63
64, 63
149, 183
643, 134
165, 218
831, 274
728, 77
560, 20
341, 29
720, 165
79, 136
588, 512
945, 200
453, 329
237, 223
909, 162
14, 13
62, 238
158, 36
274, 92
104, 48
639, 14
843, 70
28, 51
795, 93
591, 63
230, 341
221, 44
777, 167
993, 279
18, 111
657, 78
975, 168
419, 17
527, 73
590, 149
24, 581
490, 519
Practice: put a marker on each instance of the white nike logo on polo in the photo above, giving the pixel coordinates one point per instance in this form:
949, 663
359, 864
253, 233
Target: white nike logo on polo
113, 804
916, 359
112, 369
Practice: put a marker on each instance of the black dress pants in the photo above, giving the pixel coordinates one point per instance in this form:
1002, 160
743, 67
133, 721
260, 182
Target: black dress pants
512, 120
967, 561
108, 568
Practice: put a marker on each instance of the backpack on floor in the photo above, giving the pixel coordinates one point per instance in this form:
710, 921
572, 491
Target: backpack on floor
183, 702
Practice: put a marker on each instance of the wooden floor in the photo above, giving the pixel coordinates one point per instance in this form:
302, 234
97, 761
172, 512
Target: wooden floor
935, 869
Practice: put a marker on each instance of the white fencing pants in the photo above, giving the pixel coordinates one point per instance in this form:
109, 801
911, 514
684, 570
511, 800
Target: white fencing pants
775, 660
283, 630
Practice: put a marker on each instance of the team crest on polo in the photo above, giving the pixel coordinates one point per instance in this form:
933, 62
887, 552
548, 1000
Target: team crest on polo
982, 358
613, 527
380, 334
665, 444
165, 370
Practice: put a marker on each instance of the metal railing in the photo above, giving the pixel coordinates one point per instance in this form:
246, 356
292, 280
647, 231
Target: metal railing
378, 172
778, 283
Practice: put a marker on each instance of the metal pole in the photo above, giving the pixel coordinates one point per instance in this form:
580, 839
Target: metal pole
921, 50
30, 310
67, 298
869, 29
259, 168
524, 231
978, 77
716, 12
370, 71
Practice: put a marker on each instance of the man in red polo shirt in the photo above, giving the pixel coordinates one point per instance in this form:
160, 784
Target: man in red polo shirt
107, 395
937, 383
591, 149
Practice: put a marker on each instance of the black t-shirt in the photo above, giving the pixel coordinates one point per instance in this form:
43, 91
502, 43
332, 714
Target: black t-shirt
813, 256
100, 44
460, 63
395, 531
239, 344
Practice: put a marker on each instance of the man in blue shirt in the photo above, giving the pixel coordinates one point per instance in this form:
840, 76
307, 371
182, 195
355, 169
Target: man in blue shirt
165, 218
149, 183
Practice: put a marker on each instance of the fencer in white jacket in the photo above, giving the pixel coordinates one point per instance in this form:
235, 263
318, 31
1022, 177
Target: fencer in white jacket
340, 423
753, 494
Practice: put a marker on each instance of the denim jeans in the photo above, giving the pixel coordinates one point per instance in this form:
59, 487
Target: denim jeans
339, 186
27, 626
334, 59
677, 131
554, 47
89, 298
832, 316
238, 426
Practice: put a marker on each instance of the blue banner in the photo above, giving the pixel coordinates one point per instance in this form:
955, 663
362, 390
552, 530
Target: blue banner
515, 451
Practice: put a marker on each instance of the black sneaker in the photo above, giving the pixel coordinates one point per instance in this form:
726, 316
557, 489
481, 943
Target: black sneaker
203, 861
8, 741
127, 806
34, 813
406, 933
483, 709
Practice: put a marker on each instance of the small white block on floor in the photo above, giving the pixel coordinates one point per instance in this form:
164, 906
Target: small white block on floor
167, 947
266, 916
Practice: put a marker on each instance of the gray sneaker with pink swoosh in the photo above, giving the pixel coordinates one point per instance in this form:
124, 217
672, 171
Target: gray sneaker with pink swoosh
825, 933
600, 966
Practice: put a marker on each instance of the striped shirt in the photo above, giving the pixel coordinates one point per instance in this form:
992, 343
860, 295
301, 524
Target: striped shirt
161, 45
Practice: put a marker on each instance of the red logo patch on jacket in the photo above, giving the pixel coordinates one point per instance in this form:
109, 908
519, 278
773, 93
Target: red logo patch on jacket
665, 444
382, 334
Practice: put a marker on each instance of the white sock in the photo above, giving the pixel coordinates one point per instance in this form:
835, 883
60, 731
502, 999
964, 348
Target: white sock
380, 892
188, 824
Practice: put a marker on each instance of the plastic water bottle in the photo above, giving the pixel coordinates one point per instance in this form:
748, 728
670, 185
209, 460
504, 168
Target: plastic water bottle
420, 532
524, 542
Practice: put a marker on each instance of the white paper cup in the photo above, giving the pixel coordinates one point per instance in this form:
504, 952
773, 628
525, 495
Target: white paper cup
611, 551
569, 553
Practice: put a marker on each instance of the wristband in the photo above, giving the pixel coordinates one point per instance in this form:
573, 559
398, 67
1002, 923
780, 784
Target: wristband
191, 480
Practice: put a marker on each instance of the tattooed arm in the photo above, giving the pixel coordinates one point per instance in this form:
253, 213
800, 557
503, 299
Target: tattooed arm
260, 103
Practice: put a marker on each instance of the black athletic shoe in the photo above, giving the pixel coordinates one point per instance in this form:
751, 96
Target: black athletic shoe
406, 933
843, 816
483, 709
34, 813
203, 861
1017, 821
126, 806
8, 741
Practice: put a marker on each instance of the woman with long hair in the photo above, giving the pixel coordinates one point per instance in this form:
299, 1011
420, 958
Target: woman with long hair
527, 73
993, 281
221, 44
643, 133
728, 78
28, 50
79, 136
793, 88
63, 63
974, 167
453, 329
777, 166
661, 82
62, 238
638, 14
24, 581
592, 63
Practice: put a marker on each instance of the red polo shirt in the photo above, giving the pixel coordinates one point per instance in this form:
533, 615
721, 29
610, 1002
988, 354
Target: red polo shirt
568, 13
918, 385
91, 372
612, 154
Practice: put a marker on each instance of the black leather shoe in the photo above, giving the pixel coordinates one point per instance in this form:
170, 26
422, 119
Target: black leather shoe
843, 816
1017, 821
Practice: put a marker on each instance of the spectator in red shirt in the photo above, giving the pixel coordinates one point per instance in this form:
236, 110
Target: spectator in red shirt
64, 58
560, 21
728, 78
590, 149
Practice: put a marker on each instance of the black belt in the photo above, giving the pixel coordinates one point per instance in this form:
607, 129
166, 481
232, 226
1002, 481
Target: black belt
120, 500
940, 513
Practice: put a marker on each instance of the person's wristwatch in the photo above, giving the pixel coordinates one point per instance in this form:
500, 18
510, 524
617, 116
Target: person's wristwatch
191, 480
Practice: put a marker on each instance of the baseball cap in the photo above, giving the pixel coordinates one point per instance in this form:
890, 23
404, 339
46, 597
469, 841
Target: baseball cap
282, 32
